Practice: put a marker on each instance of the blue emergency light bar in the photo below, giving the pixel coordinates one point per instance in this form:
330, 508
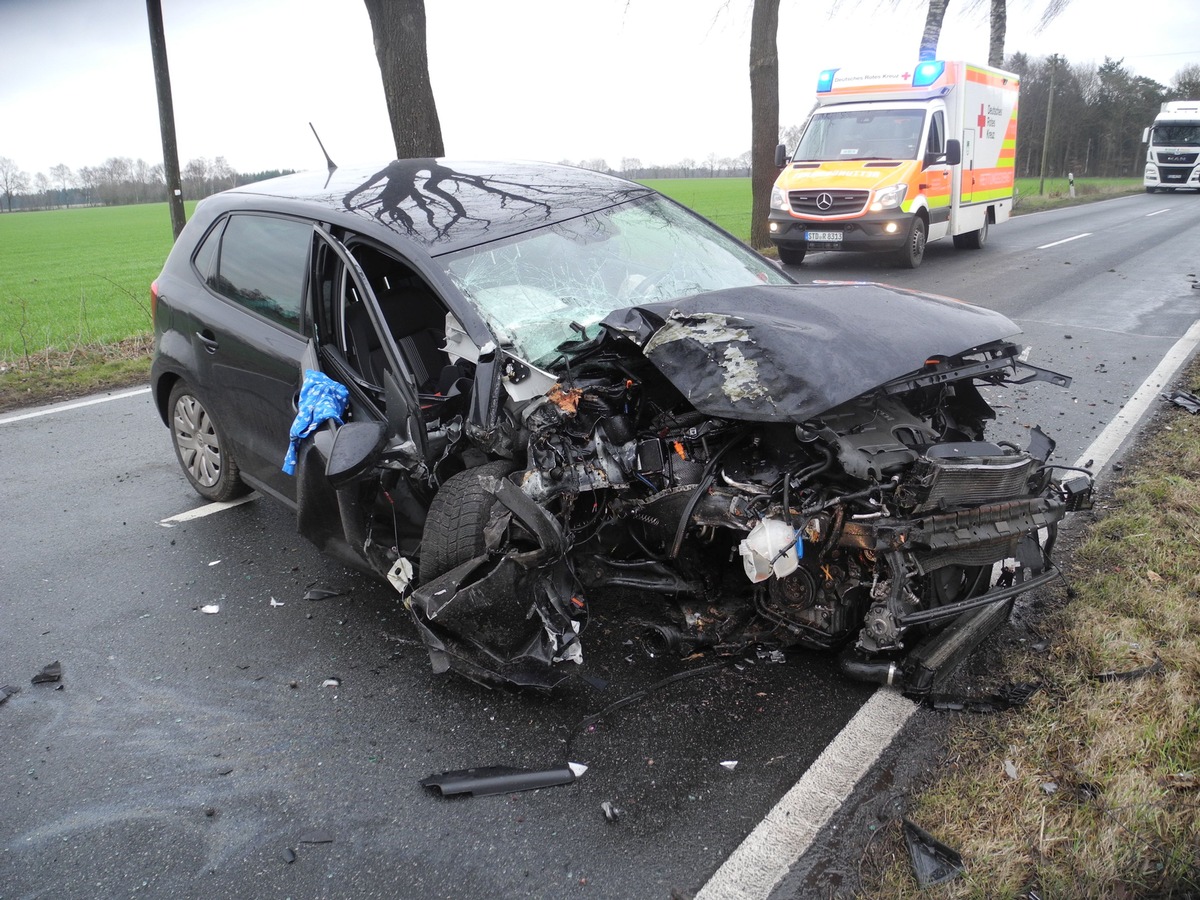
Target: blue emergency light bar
928, 72
825, 81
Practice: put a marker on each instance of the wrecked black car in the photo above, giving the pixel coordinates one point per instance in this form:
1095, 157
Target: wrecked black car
512, 389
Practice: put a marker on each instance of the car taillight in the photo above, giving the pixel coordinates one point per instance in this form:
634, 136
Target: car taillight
153, 300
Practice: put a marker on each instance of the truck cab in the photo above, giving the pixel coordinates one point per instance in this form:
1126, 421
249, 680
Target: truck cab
1173, 148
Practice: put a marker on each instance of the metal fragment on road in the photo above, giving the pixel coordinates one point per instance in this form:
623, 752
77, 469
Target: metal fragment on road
51, 672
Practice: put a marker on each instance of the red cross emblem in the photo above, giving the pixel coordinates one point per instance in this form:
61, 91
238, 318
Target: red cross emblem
982, 120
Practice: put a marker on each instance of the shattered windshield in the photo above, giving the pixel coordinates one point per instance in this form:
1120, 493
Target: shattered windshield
533, 289
861, 134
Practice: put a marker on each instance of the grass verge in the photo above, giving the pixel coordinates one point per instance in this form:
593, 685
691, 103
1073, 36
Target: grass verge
1093, 789
52, 375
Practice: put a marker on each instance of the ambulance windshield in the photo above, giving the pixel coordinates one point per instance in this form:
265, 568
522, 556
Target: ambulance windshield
861, 134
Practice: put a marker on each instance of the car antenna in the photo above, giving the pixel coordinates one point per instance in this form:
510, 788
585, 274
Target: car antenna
329, 162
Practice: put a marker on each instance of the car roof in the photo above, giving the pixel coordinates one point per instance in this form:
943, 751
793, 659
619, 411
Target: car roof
443, 205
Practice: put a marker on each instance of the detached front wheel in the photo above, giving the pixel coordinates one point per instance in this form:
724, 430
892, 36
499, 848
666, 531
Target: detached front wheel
201, 448
456, 519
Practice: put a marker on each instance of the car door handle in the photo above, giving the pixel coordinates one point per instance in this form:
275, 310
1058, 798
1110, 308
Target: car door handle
209, 340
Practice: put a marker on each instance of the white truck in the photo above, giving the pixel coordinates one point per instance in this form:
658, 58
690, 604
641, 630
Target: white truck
1173, 147
892, 159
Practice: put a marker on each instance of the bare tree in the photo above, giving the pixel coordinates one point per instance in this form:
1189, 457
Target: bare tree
62, 177
398, 27
764, 114
999, 28
933, 29
222, 174
1186, 85
12, 179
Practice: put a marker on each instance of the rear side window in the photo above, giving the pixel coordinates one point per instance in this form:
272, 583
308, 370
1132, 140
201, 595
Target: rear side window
261, 264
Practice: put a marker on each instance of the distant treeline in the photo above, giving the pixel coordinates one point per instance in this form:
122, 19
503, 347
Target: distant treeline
1095, 130
118, 181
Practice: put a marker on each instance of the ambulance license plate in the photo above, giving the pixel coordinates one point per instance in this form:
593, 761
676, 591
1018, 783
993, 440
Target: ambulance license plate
823, 237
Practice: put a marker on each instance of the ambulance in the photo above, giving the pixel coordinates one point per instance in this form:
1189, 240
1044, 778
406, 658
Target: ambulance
889, 161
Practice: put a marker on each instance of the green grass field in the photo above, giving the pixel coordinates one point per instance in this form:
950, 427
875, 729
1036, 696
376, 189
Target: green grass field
724, 200
74, 277
79, 277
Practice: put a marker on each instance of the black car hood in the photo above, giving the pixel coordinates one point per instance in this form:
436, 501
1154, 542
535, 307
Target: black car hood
788, 353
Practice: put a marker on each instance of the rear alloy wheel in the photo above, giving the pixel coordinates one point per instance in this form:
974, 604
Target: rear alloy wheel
200, 447
972, 240
914, 247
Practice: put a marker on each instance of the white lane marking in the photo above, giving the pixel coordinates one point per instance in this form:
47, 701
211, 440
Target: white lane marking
767, 854
207, 510
1158, 212
1065, 240
1107, 442
764, 857
78, 404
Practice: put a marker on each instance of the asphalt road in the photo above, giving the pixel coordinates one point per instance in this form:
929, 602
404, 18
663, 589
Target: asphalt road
192, 754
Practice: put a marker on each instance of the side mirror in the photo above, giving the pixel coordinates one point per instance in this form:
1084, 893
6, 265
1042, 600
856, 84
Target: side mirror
951, 156
953, 152
781, 156
355, 448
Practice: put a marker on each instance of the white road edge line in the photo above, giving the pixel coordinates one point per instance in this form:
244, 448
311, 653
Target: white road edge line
78, 404
207, 510
1065, 240
1107, 442
1158, 212
767, 854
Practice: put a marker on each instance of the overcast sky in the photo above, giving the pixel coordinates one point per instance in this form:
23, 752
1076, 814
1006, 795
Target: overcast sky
657, 80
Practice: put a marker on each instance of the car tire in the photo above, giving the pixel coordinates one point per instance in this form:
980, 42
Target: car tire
914, 245
1151, 190
972, 240
201, 448
456, 519
792, 256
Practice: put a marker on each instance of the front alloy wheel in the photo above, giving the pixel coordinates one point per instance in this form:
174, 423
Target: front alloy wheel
210, 467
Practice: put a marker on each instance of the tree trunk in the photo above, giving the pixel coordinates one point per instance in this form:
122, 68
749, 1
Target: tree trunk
166, 116
764, 114
399, 30
933, 29
999, 22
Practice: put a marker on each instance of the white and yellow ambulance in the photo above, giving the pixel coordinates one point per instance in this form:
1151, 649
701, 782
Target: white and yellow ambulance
889, 161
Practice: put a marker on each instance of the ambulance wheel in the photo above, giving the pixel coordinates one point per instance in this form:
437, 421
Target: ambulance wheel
972, 240
1151, 190
914, 247
792, 256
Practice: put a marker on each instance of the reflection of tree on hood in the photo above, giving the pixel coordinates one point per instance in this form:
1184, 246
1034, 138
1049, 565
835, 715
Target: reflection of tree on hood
401, 178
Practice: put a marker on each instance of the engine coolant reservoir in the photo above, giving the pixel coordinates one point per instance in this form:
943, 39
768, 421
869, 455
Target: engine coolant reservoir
770, 547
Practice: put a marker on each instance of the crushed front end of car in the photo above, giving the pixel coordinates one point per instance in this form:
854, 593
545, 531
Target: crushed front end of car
785, 466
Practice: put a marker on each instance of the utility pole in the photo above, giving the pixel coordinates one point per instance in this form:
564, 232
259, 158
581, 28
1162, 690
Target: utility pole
166, 115
1046, 136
